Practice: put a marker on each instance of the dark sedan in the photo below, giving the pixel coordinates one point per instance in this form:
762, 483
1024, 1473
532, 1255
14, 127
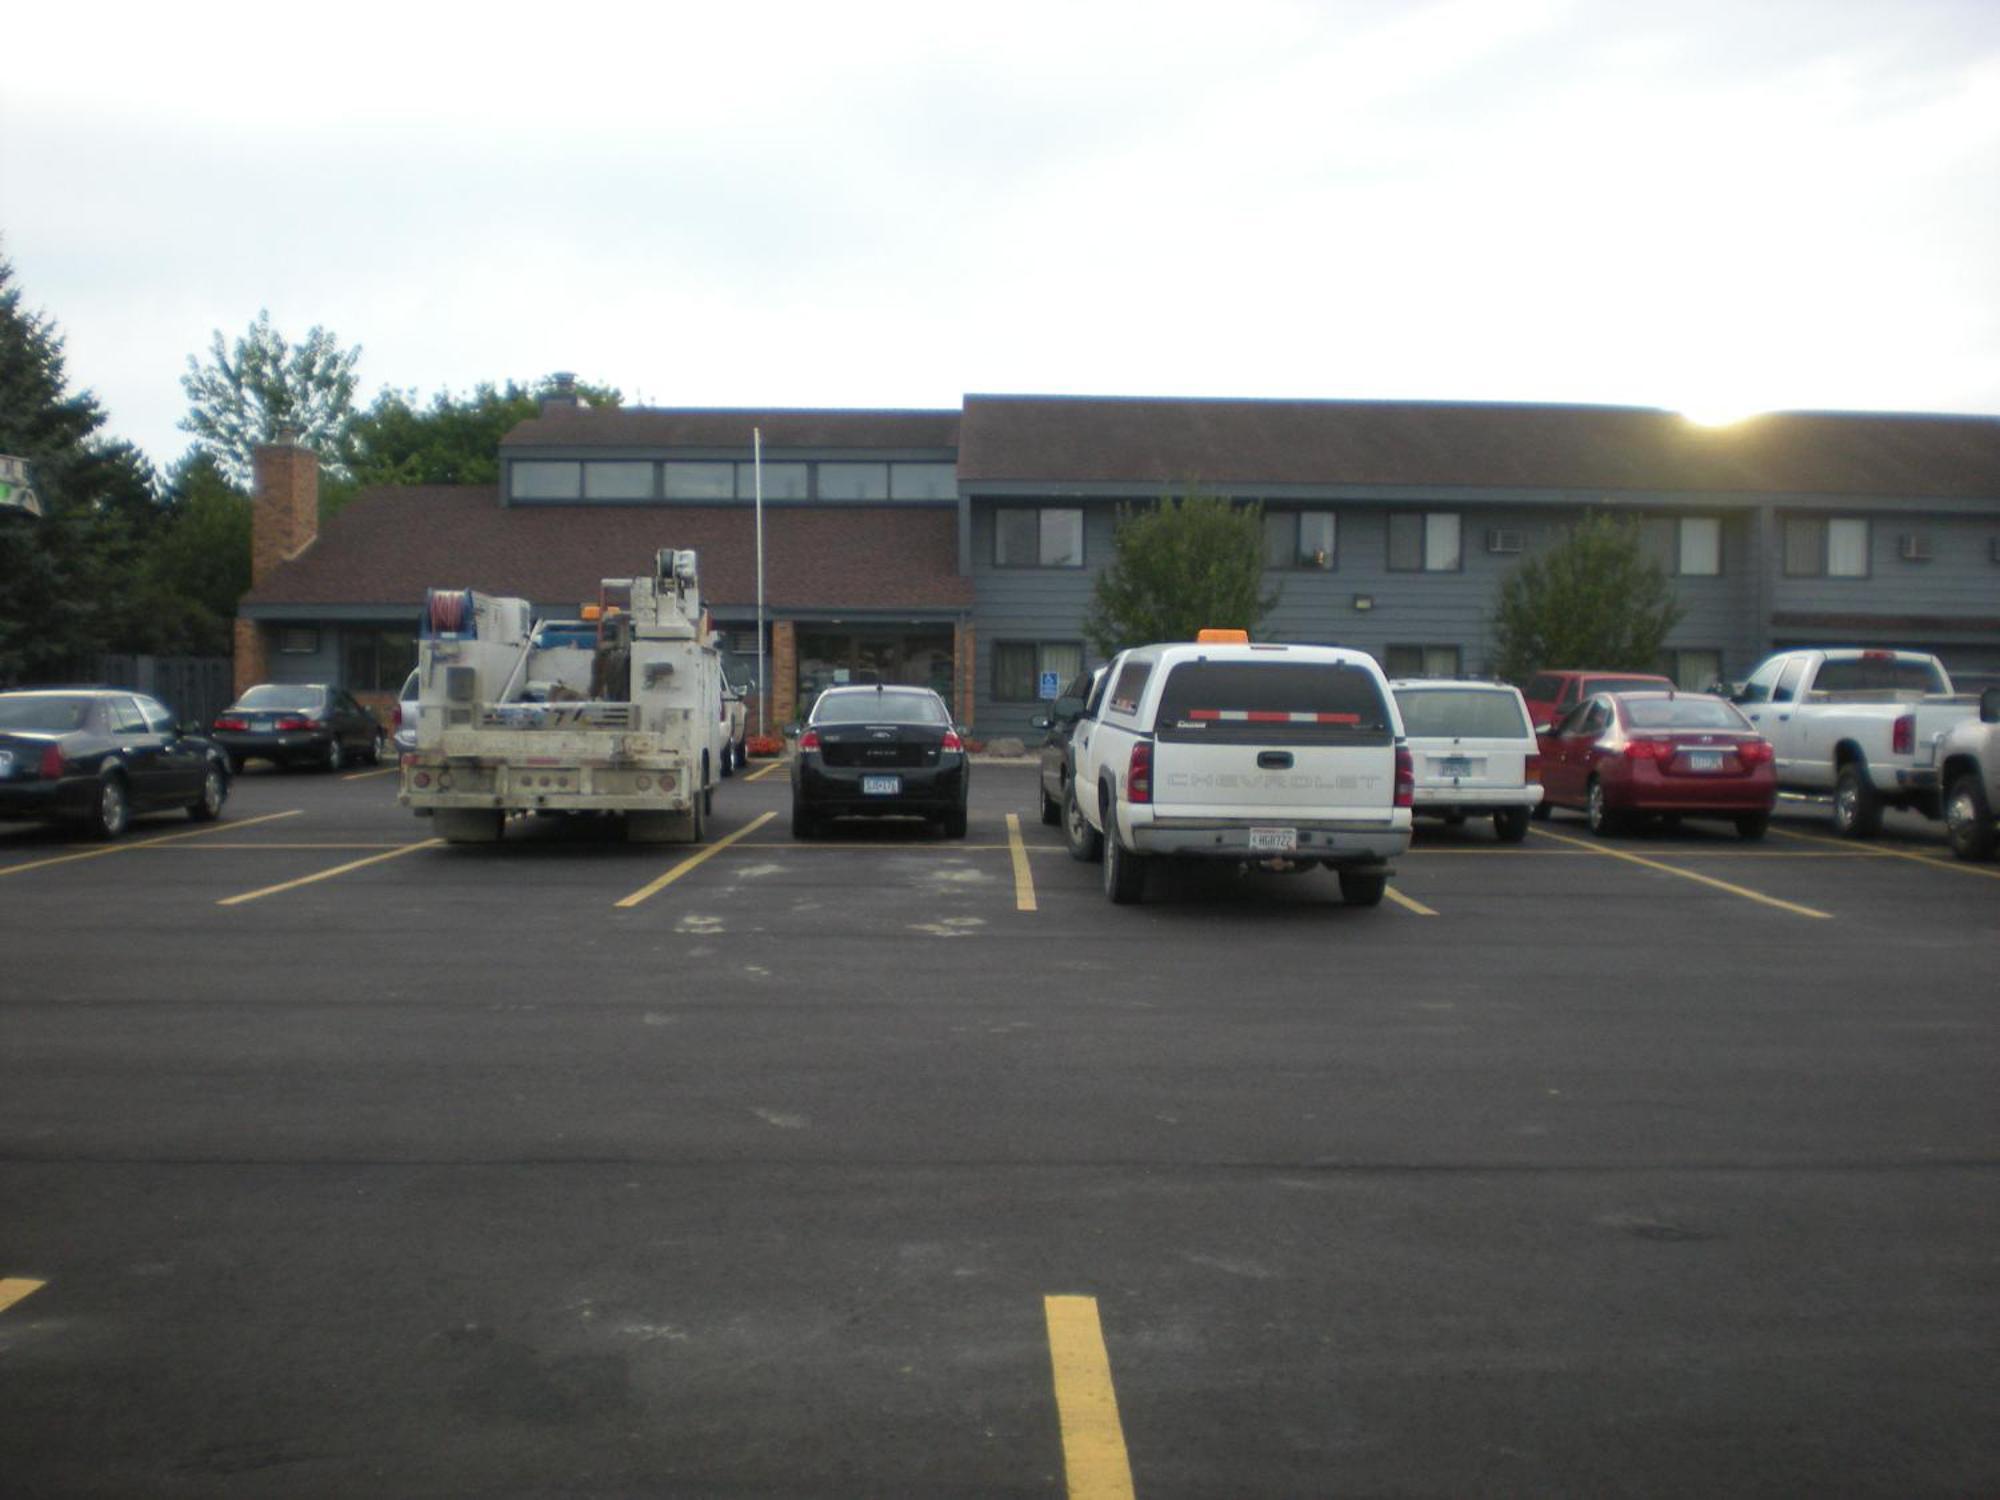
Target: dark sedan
302, 724
97, 757
879, 751
1058, 727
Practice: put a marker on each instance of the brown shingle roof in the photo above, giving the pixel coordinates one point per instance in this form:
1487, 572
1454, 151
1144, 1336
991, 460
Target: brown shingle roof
719, 427
1231, 444
391, 544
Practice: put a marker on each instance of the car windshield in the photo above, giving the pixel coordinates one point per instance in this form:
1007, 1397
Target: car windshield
276, 695
1461, 713
1682, 713
883, 706
1272, 702
44, 713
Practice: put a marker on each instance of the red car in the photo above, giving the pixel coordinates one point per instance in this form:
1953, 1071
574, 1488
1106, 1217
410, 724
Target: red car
1550, 695
1621, 756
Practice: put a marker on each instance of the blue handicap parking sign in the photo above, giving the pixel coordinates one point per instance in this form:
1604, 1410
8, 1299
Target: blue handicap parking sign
1051, 685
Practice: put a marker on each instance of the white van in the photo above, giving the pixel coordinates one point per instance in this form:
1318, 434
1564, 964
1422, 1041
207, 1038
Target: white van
1474, 752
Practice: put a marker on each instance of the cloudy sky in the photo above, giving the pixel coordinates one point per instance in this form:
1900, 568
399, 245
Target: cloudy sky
1713, 207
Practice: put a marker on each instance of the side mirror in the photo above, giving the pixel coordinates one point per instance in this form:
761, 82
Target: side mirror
1989, 706
1543, 731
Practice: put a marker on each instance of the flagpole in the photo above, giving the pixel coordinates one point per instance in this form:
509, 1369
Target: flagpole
757, 468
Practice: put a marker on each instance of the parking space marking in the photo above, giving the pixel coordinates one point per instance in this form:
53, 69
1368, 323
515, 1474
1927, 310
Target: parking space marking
353, 864
1708, 880
1024, 881
167, 838
653, 887
14, 1288
1095, 1464
378, 771
218, 844
1407, 903
1935, 861
762, 771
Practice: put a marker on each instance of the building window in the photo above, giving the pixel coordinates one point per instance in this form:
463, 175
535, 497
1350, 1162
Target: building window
617, 481
1020, 666
530, 479
298, 640
854, 481
377, 661
1692, 668
1700, 547
1424, 542
923, 481
689, 480
785, 481
1300, 539
1421, 661
1817, 548
1037, 537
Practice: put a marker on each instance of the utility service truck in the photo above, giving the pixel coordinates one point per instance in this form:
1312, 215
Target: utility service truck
618, 711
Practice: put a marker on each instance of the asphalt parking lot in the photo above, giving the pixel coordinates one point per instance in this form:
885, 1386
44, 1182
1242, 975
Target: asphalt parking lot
335, 1161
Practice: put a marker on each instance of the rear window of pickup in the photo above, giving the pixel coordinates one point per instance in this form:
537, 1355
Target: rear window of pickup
1272, 703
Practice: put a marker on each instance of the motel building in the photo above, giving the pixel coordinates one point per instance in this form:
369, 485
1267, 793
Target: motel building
956, 548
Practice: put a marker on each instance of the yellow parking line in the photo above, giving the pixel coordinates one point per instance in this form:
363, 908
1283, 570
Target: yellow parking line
1708, 880
1024, 881
205, 848
1936, 862
354, 864
14, 1288
168, 838
762, 771
1095, 1463
654, 887
378, 771
1407, 903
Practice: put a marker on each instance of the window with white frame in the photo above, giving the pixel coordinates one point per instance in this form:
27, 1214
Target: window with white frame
1037, 536
1019, 666
1300, 539
1421, 661
1693, 668
1700, 553
1424, 542
1819, 547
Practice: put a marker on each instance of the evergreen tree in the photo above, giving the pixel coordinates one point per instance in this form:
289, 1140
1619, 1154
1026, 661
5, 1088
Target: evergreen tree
1189, 562
1593, 600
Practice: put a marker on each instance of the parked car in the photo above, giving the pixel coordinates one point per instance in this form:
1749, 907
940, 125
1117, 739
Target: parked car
1620, 756
1969, 764
1220, 749
405, 724
299, 724
97, 757
1473, 751
1550, 695
1057, 725
735, 712
875, 752
1862, 725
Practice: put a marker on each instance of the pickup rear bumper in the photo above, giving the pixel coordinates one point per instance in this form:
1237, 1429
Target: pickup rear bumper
1357, 843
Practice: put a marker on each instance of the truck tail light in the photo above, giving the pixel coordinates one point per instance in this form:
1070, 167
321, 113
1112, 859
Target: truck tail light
1903, 739
1139, 773
1532, 771
809, 740
52, 763
1754, 752
1406, 778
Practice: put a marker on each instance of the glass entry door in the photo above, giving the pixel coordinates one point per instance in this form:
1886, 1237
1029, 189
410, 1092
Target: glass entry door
896, 658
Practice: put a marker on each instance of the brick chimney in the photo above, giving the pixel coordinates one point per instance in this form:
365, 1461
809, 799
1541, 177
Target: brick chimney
284, 507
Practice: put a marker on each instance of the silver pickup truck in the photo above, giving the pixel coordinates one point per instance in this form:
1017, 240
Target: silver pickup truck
1860, 724
1969, 769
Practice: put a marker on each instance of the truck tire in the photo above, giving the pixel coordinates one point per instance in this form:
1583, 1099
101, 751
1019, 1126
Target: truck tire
1051, 809
1968, 819
468, 825
1510, 824
1857, 806
1124, 871
1085, 843
1357, 889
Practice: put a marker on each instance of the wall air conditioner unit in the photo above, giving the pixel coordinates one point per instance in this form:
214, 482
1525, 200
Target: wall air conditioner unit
1916, 547
1503, 539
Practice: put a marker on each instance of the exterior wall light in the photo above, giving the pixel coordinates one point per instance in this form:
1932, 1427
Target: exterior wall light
1364, 602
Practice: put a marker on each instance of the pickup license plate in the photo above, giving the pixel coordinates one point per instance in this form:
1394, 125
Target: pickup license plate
1704, 760
1454, 765
881, 786
1273, 840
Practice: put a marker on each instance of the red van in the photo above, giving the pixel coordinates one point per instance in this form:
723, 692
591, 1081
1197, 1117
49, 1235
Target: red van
1550, 695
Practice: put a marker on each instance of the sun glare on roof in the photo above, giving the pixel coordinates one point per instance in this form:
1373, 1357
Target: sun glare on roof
1717, 415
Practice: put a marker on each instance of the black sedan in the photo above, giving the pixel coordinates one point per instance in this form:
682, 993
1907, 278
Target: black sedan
97, 757
1058, 727
875, 752
299, 724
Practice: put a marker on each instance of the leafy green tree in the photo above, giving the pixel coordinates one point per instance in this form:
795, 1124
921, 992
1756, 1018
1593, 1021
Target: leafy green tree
69, 582
1191, 561
199, 563
243, 395
1593, 600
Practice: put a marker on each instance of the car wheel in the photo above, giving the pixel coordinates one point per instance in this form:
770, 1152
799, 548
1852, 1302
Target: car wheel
377, 748
1085, 843
111, 814
214, 791
335, 756
953, 823
1051, 809
804, 824
1124, 871
1857, 810
1362, 890
1751, 826
1968, 820
1510, 824
1598, 813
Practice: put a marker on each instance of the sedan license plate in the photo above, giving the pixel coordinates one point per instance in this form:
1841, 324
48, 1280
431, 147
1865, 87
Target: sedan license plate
1273, 840
1454, 765
1704, 760
881, 786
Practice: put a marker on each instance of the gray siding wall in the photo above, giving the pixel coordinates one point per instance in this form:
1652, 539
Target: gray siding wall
1960, 579
1029, 604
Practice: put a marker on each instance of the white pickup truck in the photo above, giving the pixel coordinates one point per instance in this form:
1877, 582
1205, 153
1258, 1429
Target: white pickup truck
1221, 749
1969, 770
1862, 725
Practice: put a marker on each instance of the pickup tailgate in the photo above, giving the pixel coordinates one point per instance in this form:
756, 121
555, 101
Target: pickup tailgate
1308, 742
